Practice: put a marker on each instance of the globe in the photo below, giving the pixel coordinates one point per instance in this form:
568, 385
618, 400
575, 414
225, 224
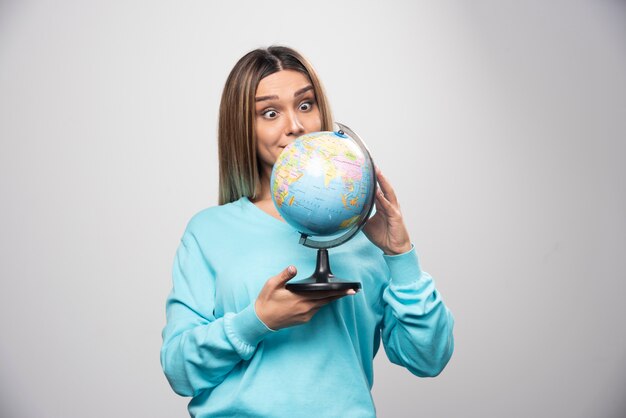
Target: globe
323, 185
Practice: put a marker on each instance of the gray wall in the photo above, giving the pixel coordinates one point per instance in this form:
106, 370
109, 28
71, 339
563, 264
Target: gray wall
501, 124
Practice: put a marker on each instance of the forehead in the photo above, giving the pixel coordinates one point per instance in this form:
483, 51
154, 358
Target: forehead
282, 83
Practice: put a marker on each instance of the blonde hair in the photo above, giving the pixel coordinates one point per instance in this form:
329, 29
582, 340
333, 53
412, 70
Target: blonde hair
238, 165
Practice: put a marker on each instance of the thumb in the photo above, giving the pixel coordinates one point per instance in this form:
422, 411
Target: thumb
285, 275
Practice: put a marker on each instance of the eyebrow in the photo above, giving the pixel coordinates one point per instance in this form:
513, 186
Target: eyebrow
275, 97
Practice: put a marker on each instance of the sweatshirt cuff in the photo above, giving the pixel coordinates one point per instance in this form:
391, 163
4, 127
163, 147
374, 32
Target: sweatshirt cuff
404, 268
247, 327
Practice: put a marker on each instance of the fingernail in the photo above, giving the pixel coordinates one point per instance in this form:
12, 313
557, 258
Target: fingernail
291, 269
351, 292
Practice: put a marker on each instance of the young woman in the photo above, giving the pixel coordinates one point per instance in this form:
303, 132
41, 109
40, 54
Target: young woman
236, 340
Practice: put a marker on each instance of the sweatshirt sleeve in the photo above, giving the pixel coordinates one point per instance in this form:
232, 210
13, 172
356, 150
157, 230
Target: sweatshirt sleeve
198, 349
417, 326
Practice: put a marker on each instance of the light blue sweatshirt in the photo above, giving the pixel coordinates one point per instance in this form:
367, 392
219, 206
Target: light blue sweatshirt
216, 350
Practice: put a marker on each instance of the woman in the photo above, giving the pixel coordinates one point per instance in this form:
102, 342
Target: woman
236, 340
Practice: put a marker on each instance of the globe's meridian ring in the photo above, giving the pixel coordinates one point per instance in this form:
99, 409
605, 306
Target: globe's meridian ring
311, 243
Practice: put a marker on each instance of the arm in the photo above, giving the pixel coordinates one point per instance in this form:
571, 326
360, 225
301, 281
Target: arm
198, 349
417, 326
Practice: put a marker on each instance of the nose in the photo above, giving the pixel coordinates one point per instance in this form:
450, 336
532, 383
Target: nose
294, 125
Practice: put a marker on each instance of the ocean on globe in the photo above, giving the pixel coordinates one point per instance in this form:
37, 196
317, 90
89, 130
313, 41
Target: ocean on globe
321, 183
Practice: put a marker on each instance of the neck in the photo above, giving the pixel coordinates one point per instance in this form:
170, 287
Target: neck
264, 191
264, 199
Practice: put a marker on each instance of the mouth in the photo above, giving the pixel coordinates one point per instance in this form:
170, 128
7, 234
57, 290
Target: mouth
283, 146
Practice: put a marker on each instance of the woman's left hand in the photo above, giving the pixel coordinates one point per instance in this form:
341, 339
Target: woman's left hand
386, 228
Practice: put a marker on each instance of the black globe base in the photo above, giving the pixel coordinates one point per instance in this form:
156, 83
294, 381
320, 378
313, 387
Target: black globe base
308, 285
322, 279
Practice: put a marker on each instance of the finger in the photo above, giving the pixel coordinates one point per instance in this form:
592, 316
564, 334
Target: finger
326, 301
383, 204
388, 191
284, 276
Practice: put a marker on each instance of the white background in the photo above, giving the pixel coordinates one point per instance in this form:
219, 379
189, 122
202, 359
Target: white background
501, 124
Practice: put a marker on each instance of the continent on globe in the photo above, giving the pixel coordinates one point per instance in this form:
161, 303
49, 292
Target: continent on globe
321, 183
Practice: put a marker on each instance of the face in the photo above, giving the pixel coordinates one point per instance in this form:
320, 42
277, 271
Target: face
285, 108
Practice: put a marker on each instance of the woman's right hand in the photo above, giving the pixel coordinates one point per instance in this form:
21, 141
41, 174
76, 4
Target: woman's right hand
280, 308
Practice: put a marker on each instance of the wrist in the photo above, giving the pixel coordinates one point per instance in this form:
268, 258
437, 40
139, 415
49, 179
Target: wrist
401, 249
258, 310
245, 329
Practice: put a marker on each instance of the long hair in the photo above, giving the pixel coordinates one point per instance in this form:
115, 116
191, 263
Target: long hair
238, 165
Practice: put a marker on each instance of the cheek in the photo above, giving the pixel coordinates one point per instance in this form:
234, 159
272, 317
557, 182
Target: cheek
265, 133
313, 122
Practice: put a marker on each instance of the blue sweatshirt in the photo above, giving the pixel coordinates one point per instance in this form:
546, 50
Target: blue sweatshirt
217, 351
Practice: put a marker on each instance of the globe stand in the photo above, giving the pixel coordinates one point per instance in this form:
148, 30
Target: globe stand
322, 278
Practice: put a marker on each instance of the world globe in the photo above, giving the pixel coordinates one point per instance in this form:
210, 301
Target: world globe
323, 185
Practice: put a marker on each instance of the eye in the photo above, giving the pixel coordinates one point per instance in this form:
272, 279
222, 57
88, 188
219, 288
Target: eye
306, 106
269, 114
